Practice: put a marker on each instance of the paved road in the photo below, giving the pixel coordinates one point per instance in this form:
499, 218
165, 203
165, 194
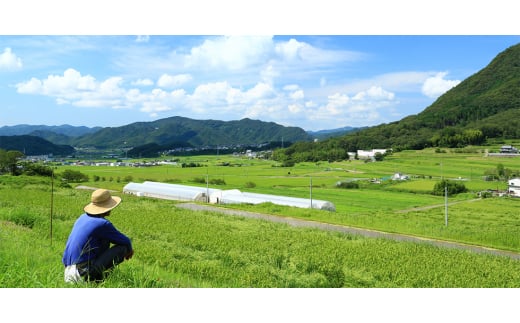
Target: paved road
341, 228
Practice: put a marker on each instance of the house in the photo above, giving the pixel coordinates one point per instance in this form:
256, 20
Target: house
514, 187
508, 149
369, 154
400, 177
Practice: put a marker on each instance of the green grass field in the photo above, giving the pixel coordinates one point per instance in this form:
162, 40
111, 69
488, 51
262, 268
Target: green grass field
181, 248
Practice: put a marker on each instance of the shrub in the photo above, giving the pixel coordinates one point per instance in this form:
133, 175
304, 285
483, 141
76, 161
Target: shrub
249, 185
452, 188
74, 176
23, 218
347, 185
217, 181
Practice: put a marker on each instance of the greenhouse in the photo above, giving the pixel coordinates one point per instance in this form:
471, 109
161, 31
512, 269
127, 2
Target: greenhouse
169, 191
217, 196
237, 197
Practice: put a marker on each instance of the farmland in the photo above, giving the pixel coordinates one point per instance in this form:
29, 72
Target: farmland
182, 248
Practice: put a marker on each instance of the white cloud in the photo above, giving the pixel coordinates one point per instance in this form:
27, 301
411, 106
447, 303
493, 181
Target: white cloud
362, 108
437, 85
9, 60
231, 52
73, 88
143, 82
171, 81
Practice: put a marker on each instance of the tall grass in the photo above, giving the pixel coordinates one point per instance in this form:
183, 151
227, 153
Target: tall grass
180, 248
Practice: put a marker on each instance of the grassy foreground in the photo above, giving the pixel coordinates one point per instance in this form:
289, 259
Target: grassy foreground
180, 248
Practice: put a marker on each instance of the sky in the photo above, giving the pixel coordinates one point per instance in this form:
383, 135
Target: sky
109, 77
309, 81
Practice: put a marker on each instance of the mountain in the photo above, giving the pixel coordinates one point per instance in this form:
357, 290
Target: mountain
323, 134
67, 130
483, 106
32, 145
196, 133
486, 105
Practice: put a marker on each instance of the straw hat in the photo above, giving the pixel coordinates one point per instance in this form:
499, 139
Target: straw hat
101, 202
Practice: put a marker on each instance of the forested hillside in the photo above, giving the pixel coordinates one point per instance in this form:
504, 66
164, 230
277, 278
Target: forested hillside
31, 145
195, 133
485, 105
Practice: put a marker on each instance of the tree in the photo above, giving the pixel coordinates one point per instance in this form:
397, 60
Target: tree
9, 161
452, 187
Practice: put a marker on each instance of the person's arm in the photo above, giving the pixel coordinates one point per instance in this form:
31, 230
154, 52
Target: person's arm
110, 233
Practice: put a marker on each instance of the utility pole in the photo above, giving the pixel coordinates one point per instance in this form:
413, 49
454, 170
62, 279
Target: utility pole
310, 188
446, 205
52, 201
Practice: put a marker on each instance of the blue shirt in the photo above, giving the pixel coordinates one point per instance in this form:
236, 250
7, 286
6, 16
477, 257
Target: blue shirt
90, 237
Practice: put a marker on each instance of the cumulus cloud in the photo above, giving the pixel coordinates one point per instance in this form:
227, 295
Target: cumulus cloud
78, 90
9, 61
171, 81
230, 52
437, 85
362, 108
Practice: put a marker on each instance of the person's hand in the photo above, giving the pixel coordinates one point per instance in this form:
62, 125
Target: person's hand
129, 255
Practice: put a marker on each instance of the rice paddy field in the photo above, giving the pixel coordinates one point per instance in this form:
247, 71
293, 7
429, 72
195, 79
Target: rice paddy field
179, 248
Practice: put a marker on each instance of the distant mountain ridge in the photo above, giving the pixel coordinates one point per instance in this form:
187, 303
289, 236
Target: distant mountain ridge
32, 146
323, 134
195, 133
173, 131
67, 130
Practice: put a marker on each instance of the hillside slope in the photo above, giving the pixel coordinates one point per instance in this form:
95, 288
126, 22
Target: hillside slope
196, 133
485, 105
32, 145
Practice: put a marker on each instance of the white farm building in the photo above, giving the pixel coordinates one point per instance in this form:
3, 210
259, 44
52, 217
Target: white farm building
217, 196
514, 187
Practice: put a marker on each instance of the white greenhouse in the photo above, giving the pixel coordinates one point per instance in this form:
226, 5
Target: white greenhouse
169, 191
216, 196
237, 197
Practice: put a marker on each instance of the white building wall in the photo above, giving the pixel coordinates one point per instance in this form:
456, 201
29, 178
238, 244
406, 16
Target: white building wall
514, 187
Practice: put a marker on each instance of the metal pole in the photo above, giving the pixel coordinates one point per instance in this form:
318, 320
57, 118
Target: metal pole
446, 205
52, 201
207, 185
310, 188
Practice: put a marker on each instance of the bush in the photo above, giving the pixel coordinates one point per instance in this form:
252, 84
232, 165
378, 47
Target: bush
33, 169
249, 185
217, 181
23, 218
74, 176
452, 187
347, 185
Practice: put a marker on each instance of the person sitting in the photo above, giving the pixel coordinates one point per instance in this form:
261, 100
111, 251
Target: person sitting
88, 254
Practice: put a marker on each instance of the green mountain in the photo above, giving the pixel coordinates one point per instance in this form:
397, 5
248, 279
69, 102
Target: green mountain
485, 105
196, 133
66, 130
32, 145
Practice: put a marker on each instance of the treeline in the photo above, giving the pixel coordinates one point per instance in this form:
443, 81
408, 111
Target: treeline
310, 152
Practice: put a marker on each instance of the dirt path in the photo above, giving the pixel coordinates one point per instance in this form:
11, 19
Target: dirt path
351, 230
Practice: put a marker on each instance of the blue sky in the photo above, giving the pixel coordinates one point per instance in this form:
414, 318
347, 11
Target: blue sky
312, 81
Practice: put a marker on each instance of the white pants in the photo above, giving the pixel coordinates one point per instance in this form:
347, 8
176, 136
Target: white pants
72, 275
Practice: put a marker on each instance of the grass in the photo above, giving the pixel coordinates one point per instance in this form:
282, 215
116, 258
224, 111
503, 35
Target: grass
181, 248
